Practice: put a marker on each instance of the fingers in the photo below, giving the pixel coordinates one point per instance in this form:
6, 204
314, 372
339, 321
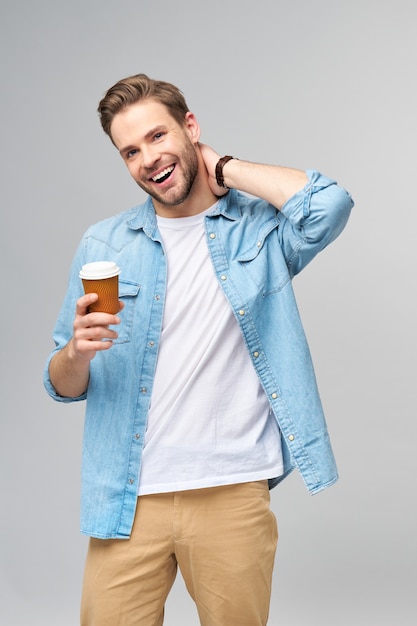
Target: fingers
84, 302
210, 158
95, 327
92, 332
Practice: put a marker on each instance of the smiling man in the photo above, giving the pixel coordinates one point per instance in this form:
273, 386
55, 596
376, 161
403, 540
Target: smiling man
201, 393
161, 156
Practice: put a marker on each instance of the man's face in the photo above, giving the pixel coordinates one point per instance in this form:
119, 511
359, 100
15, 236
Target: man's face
159, 153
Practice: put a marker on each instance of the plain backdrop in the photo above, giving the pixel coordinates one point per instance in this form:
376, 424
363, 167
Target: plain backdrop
328, 85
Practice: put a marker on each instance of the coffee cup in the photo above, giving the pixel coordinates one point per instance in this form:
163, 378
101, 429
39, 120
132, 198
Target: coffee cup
102, 278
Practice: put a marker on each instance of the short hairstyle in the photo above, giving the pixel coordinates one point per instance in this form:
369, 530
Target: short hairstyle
136, 88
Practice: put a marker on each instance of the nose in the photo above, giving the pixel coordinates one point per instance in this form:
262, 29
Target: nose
150, 156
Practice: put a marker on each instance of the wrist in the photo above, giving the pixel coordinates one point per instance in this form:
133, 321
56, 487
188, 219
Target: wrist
219, 170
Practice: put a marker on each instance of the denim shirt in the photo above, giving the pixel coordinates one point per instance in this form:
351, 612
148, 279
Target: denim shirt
255, 250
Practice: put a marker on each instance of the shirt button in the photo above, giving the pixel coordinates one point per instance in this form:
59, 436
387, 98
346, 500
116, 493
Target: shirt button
256, 354
291, 437
258, 243
223, 277
274, 395
143, 390
157, 297
242, 312
151, 344
212, 235
137, 436
131, 481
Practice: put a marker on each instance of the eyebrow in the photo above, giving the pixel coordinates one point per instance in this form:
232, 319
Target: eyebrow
148, 135
123, 151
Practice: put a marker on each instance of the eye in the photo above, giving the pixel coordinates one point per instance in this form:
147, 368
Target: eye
158, 135
131, 153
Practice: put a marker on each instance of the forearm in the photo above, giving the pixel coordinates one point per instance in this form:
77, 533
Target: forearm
69, 373
272, 183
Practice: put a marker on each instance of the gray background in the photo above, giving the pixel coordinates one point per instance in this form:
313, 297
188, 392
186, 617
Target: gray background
323, 84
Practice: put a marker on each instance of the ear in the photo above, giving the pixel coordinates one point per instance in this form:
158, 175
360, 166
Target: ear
192, 127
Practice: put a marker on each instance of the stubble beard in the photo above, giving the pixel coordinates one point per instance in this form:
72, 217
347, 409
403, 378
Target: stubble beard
174, 197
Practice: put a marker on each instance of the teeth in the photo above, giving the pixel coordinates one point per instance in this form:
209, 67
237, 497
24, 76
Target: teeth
162, 174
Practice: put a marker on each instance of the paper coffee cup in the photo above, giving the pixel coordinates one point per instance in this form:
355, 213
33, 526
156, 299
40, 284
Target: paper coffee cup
102, 278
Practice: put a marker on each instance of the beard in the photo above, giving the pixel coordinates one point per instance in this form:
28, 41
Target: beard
181, 191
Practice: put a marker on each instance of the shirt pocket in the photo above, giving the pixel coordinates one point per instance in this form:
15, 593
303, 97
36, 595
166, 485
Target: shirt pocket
128, 293
263, 261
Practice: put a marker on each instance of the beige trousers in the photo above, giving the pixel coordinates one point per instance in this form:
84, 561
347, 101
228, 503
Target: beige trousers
223, 539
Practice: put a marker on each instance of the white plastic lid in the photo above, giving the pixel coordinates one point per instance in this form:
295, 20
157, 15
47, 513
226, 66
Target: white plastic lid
99, 269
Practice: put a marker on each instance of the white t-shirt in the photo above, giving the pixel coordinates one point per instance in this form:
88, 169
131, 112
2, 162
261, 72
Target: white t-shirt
209, 422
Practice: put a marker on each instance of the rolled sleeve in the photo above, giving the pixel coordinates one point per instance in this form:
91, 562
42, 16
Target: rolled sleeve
315, 216
50, 389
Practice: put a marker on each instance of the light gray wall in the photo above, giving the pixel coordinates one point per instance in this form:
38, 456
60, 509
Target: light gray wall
324, 84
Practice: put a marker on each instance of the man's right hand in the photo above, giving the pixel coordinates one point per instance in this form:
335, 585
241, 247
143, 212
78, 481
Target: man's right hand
69, 369
92, 332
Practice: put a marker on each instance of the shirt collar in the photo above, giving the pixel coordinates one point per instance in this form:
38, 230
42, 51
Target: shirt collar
143, 216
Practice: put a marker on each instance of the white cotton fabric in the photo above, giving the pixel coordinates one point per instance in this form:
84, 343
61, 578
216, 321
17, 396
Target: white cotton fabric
209, 422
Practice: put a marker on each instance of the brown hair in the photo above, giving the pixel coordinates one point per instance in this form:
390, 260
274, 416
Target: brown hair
139, 87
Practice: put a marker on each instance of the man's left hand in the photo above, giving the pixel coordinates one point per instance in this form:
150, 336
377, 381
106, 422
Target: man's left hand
211, 158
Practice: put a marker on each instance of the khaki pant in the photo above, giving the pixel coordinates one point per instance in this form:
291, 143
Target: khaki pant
224, 541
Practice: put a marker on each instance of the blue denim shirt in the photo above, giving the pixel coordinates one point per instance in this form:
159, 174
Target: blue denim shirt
256, 250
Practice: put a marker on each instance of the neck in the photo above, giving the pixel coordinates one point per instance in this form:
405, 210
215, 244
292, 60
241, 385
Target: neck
199, 199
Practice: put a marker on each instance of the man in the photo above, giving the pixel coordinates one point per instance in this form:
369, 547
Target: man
201, 394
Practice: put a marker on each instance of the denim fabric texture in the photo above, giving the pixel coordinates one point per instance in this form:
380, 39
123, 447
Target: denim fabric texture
256, 251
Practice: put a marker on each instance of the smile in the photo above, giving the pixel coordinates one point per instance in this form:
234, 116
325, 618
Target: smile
163, 175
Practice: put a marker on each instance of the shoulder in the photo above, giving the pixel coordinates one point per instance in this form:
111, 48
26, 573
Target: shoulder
119, 228
109, 224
